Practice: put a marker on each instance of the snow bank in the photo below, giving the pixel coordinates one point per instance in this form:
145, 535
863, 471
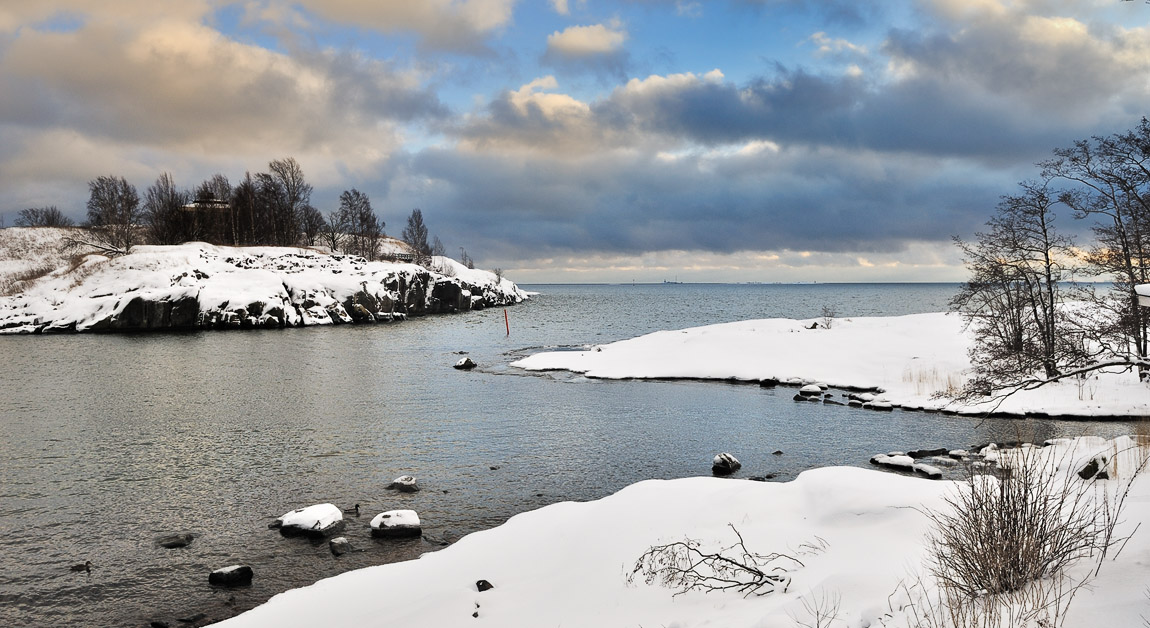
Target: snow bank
199, 285
909, 358
857, 532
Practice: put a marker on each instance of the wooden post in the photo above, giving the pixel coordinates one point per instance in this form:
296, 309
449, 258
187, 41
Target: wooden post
506, 321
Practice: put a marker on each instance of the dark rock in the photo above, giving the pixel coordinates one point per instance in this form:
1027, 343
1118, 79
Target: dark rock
769, 382
777, 452
465, 364
831, 402
275, 524
233, 576
495, 468
339, 545
483, 585
193, 619
175, 540
159, 624
926, 453
725, 464
1093, 469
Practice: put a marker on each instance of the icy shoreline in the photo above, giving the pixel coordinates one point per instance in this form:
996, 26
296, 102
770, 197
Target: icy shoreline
201, 286
909, 359
858, 534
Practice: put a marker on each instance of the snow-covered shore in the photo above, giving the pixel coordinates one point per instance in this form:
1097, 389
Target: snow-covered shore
908, 358
858, 533
199, 285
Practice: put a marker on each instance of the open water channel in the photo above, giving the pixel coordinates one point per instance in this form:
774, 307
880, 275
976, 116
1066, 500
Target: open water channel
108, 442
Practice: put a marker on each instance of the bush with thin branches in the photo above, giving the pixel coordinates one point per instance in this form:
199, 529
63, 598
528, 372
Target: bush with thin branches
683, 565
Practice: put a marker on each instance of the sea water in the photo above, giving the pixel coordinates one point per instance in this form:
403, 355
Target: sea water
108, 442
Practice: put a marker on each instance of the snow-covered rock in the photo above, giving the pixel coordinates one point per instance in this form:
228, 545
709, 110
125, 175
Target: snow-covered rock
396, 523
404, 484
339, 545
811, 389
317, 520
725, 464
232, 576
465, 364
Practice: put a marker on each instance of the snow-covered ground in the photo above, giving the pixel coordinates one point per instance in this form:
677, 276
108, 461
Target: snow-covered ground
858, 534
201, 285
910, 358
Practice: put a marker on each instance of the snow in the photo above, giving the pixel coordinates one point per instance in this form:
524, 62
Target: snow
317, 517
859, 534
909, 358
233, 286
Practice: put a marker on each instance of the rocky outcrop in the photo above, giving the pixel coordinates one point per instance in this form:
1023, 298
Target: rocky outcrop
198, 286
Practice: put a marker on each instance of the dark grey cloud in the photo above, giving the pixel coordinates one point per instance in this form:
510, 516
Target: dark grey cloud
628, 204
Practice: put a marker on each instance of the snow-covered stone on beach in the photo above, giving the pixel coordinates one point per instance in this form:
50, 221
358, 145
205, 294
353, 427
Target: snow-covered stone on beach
404, 484
396, 523
233, 576
317, 520
725, 464
811, 389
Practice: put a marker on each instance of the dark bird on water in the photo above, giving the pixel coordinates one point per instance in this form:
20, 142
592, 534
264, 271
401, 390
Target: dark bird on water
351, 510
87, 566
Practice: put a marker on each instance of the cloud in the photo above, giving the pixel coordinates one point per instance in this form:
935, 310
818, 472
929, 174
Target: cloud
560, 7
584, 41
139, 97
597, 48
457, 25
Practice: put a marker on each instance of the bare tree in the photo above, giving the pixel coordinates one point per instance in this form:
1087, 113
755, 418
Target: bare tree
166, 219
364, 227
296, 195
113, 216
1111, 184
334, 228
1013, 299
42, 217
415, 235
311, 223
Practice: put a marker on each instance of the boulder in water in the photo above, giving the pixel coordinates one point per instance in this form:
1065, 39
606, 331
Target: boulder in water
233, 576
725, 464
396, 524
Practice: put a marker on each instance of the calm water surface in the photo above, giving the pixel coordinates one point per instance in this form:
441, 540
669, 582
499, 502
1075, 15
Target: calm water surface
108, 442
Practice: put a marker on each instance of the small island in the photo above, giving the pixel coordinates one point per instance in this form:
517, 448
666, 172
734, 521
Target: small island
203, 286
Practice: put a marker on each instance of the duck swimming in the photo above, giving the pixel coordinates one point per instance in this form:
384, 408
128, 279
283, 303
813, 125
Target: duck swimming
87, 566
354, 509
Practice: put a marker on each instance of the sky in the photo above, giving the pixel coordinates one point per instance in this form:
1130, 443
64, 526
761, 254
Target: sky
582, 140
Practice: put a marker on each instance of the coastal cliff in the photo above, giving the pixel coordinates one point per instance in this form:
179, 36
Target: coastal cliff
201, 286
